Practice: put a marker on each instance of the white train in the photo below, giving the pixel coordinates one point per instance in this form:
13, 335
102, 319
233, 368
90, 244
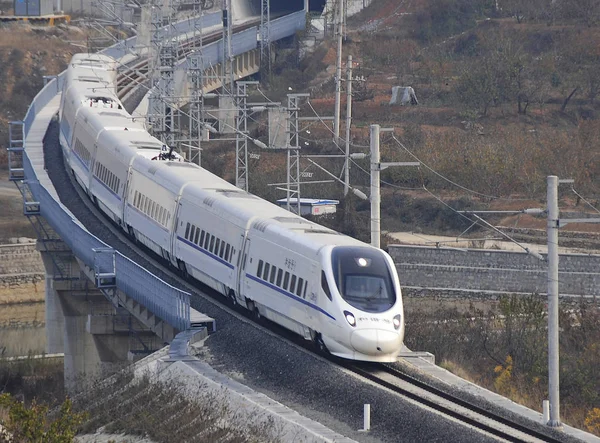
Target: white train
337, 291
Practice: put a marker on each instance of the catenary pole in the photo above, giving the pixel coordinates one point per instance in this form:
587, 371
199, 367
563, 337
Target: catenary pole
553, 348
348, 124
338, 72
375, 196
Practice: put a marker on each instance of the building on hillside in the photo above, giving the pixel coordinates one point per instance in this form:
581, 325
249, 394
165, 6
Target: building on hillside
312, 206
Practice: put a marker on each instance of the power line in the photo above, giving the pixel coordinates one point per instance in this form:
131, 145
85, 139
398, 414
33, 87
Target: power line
480, 222
464, 188
584, 200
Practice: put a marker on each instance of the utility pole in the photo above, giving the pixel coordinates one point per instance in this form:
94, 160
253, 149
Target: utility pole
338, 72
553, 225
375, 184
376, 168
553, 344
348, 123
241, 140
265, 37
227, 51
293, 144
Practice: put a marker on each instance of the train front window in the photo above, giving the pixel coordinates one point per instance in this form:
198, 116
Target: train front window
363, 278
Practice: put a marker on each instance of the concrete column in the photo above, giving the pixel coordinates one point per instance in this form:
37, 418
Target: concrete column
55, 320
53, 317
92, 347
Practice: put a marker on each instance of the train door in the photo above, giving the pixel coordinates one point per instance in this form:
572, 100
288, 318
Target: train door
242, 285
173, 228
311, 296
126, 197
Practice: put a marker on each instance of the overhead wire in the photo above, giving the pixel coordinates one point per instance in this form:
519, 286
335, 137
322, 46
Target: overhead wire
584, 200
483, 223
458, 185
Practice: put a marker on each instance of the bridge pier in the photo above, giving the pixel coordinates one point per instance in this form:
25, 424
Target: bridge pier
54, 319
96, 334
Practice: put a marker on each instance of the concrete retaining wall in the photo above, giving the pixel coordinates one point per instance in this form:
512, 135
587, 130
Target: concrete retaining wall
17, 280
492, 270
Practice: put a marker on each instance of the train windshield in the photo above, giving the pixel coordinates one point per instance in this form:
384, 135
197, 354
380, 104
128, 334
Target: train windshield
363, 278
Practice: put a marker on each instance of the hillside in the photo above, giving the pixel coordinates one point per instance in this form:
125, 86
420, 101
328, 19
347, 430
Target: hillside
506, 97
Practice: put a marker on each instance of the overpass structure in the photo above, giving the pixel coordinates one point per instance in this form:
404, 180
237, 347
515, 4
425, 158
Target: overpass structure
101, 307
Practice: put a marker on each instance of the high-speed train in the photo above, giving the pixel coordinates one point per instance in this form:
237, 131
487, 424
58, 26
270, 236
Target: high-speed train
330, 288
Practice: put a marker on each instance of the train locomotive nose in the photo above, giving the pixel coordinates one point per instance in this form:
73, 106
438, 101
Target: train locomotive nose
375, 341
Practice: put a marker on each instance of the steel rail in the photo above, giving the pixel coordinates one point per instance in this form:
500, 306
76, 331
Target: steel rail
371, 373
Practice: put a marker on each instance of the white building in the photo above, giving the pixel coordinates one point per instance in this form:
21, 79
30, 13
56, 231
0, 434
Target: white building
313, 206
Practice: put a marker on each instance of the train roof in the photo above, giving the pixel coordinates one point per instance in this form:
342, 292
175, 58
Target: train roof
269, 217
89, 58
179, 174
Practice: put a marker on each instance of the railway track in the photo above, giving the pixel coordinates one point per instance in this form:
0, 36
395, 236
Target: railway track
136, 73
447, 404
383, 375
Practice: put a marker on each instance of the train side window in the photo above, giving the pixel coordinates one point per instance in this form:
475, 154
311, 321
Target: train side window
227, 250
325, 286
299, 288
279, 276
206, 241
259, 270
217, 245
305, 286
201, 243
192, 233
272, 276
187, 231
293, 284
286, 280
266, 273
197, 235
212, 243
222, 250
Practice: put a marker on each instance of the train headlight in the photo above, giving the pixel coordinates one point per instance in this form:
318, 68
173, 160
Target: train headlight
350, 318
397, 321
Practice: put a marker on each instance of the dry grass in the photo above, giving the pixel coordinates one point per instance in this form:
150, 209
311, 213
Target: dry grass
22, 341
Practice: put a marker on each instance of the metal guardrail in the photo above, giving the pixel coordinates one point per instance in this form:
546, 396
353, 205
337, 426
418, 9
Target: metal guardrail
165, 301
183, 27
287, 25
